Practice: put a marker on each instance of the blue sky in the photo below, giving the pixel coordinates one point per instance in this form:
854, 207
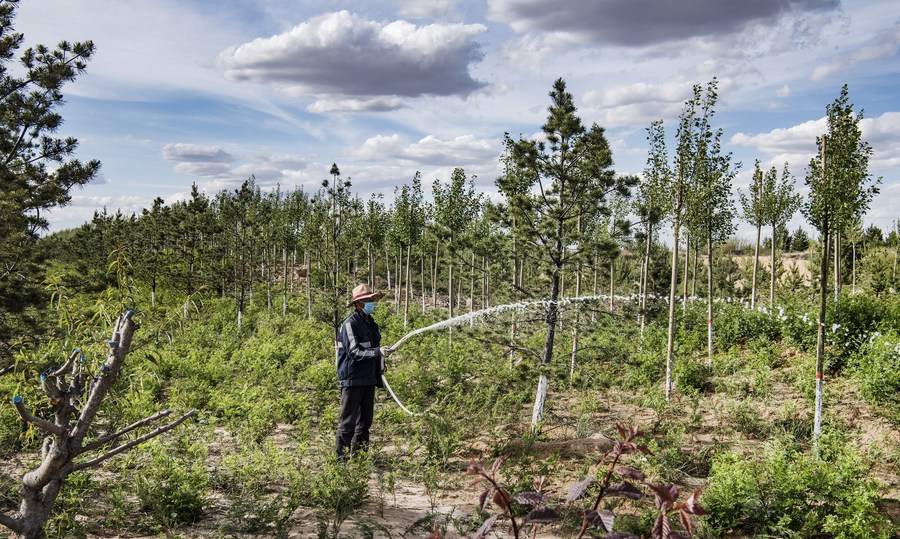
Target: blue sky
191, 91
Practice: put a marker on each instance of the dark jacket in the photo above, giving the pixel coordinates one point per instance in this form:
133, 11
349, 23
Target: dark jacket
358, 354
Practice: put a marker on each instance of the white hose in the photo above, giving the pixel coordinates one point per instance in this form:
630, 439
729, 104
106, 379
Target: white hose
391, 391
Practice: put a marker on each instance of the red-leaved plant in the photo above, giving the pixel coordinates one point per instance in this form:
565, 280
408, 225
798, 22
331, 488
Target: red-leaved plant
546, 509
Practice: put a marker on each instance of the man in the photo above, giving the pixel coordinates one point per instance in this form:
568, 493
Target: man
360, 363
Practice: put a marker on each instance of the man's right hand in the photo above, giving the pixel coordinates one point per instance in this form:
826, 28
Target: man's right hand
386, 351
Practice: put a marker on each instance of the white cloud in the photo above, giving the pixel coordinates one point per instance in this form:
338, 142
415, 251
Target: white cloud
644, 22
343, 54
430, 150
433, 9
195, 153
884, 44
795, 139
375, 104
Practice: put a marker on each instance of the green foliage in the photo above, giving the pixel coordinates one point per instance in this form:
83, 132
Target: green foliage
173, 483
37, 172
875, 368
339, 488
789, 493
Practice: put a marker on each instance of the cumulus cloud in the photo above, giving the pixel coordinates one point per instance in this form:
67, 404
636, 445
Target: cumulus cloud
643, 22
795, 139
430, 150
885, 44
343, 54
637, 104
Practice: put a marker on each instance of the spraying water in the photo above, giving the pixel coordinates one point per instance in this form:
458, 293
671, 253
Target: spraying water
475, 315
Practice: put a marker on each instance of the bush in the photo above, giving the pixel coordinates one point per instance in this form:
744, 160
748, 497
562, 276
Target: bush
875, 368
787, 493
173, 485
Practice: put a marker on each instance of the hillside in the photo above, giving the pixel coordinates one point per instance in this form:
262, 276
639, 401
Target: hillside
258, 461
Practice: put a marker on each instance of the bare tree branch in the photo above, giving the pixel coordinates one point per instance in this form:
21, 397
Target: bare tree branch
134, 443
68, 363
119, 345
100, 442
42, 423
11, 523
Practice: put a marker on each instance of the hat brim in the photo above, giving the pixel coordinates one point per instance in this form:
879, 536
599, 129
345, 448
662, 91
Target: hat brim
363, 297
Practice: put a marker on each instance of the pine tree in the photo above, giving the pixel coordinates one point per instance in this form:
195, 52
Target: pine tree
37, 170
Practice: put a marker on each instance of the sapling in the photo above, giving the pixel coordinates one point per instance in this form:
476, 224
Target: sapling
76, 397
545, 509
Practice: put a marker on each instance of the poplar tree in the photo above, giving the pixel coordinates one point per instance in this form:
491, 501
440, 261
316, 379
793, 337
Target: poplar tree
711, 210
456, 206
781, 203
754, 210
650, 205
840, 189
549, 185
37, 169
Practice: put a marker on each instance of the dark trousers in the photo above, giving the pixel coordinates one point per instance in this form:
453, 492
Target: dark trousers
357, 412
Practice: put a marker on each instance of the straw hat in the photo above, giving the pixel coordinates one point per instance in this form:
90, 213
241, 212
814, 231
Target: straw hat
362, 292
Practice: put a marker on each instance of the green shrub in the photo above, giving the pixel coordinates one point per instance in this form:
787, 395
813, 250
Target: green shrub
876, 369
172, 487
691, 375
339, 488
787, 493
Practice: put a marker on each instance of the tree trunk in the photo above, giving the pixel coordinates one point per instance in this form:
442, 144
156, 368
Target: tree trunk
687, 264
434, 274
820, 339
472, 284
772, 280
573, 363
854, 268
612, 282
673, 287
709, 302
422, 277
307, 261
406, 290
450, 292
694, 270
838, 275
552, 313
645, 274
755, 266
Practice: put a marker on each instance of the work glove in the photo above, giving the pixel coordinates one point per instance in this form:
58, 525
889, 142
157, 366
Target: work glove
386, 351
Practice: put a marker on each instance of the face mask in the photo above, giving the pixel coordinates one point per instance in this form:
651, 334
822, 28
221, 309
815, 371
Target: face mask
369, 307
